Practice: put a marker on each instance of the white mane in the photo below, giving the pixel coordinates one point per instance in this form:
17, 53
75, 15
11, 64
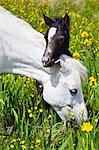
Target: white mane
76, 65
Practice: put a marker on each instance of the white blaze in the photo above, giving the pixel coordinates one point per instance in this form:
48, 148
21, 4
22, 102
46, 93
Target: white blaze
51, 33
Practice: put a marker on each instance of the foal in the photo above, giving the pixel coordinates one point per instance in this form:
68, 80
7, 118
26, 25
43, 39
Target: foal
57, 39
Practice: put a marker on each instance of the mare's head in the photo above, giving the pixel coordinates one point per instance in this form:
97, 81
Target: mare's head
57, 39
63, 91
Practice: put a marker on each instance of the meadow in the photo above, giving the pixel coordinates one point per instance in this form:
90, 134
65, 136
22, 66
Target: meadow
27, 122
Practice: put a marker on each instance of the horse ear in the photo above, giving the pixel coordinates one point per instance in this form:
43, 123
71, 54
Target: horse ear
67, 21
64, 67
48, 21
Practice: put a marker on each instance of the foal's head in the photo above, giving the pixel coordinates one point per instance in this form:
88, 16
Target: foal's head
57, 39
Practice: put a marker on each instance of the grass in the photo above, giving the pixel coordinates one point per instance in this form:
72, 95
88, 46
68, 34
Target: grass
26, 121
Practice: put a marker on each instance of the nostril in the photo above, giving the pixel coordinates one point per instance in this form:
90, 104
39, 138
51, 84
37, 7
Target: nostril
48, 60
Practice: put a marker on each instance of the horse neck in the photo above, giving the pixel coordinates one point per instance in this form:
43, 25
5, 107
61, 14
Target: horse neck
21, 48
21, 62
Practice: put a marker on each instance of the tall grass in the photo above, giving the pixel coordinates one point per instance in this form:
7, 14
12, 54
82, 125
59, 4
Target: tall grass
26, 121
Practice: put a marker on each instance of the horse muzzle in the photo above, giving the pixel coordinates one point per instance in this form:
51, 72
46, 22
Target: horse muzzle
76, 114
47, 61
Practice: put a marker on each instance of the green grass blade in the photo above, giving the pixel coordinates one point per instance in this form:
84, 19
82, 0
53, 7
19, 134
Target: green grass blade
15, 115
63, 146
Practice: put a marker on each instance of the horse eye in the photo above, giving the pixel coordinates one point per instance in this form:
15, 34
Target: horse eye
61, 37
73, 92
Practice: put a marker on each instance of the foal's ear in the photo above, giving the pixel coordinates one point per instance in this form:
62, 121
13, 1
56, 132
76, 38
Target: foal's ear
67, 21
48, 21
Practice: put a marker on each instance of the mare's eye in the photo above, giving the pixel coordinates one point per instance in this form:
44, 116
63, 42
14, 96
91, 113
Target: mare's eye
73, 92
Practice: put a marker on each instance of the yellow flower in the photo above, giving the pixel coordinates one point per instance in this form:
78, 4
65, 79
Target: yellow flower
78, 15
91, 78
87, 126
90, 34
35, 107
29, 111
49, 116
40, 110
96, 120
48, 130
11, 146
14, 140
81, 31
76, 55
22, 142
83, 34
40, 86
92, 81
41, 30
23, 147
42, 3
38, 141
42, 22
24, 85
69, 108
30, 115
31, 95
87, 42
24, 78
73, 115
